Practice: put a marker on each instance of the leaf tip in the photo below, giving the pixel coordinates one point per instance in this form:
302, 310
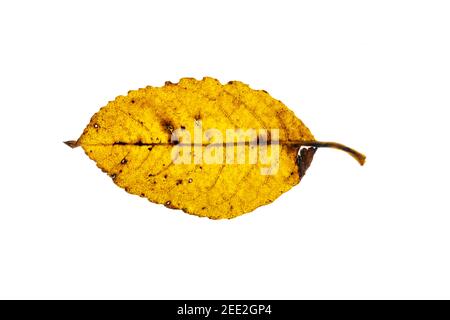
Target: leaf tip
72, 143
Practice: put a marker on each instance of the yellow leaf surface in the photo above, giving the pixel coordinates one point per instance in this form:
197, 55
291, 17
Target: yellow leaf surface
133, 139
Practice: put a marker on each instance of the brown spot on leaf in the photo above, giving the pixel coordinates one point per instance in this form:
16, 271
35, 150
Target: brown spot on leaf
169, 204
304, 159
168, 125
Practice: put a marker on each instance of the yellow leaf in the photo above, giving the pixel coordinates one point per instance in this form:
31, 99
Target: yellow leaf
209, 149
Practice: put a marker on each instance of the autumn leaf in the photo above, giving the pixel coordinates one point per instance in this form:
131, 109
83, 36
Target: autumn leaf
208, 149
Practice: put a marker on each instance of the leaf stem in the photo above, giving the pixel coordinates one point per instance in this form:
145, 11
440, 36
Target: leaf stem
358, 156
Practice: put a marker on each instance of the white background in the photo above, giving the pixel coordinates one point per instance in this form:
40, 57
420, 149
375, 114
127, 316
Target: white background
371, 74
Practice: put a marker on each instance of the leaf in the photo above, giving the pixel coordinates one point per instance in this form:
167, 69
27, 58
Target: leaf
135, 137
